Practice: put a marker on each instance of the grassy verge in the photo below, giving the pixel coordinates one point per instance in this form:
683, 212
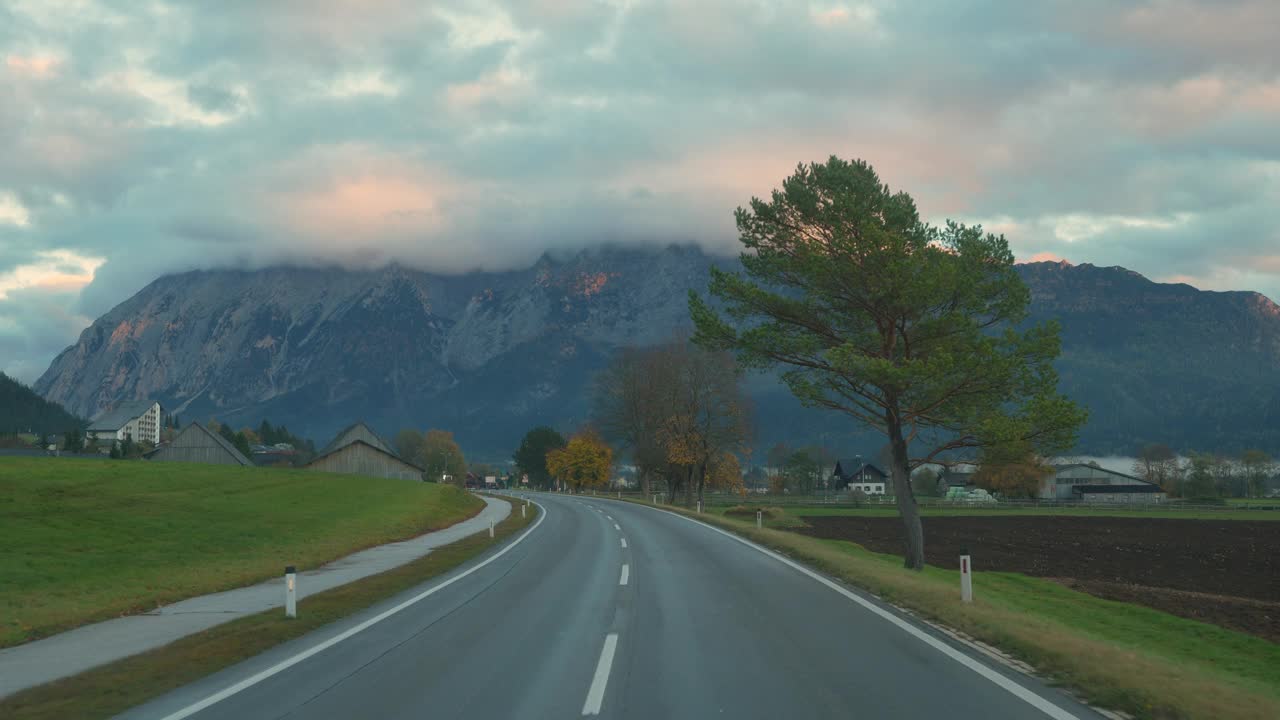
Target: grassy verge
114, 688
86, 540
1117, 655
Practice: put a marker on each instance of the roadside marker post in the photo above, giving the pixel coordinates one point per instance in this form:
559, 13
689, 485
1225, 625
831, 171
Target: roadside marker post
966, 576
523, 509
490, 528
699, 506
290, 592
759, 519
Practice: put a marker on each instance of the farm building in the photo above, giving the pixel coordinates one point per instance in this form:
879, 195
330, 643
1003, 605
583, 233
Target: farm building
1145, 492
954, 478
360, 451
138, 419
859, 476
199, 444
1089, 483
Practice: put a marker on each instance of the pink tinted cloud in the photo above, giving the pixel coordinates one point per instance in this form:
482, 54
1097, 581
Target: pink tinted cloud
1046, 257
32, 66
1266, 264
1195, 102
362, 206
943, 171
500, 88
339, 196
1239, 30
831, 16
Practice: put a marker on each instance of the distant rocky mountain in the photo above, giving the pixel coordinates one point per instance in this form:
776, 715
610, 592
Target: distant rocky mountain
488, 355
1157, 362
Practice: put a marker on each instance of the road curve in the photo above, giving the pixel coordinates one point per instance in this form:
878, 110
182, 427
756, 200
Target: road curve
617, 610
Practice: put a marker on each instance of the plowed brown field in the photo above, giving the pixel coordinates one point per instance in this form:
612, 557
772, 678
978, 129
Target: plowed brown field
1224, 572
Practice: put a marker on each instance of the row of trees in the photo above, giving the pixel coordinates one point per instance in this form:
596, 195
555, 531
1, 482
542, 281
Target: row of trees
1206, 475
679, 411
25, 411
549, 460
803, 470
435, 451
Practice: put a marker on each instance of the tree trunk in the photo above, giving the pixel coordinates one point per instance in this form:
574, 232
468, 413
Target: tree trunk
907, 508
644, 481
688, 488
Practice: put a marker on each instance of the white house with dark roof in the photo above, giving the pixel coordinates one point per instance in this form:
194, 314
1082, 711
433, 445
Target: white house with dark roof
860, 476
138, 419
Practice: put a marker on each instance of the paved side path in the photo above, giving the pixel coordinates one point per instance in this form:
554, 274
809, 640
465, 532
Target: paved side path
77, 650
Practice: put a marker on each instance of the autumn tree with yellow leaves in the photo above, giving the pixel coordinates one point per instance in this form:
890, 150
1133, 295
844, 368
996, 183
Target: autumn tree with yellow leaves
724, 473
585, 461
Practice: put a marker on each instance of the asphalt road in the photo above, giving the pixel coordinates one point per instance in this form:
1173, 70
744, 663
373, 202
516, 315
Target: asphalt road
628, 612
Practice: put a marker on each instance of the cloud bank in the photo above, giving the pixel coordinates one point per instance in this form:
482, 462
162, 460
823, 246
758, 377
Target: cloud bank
145, 138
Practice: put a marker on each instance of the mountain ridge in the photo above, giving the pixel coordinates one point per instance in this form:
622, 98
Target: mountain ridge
489, 354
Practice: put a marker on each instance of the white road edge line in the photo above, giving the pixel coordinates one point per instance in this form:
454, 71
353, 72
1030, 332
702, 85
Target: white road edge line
595, 696
321, 647
1031, 698
623, 541
626, 574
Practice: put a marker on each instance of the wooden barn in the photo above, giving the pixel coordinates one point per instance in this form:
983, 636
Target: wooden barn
199, 444
358, 450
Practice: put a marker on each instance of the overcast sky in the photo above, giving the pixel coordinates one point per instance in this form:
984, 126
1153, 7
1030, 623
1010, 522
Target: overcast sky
138, 138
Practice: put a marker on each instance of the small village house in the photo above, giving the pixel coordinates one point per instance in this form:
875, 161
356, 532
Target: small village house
136, 419
859, 476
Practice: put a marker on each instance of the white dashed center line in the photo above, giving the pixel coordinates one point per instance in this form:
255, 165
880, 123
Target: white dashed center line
623, 541
595, 696
617, 527
626, 575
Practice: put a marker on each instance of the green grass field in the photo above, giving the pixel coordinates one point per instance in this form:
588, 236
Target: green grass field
1119, 655
86, 540
108, 690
